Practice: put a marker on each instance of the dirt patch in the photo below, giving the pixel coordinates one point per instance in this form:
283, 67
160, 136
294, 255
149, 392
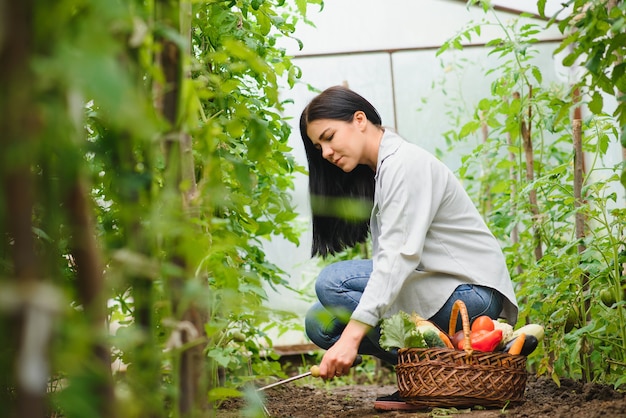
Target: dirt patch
543, 398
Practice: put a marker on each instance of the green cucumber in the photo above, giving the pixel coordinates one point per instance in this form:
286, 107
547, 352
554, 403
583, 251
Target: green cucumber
431, 336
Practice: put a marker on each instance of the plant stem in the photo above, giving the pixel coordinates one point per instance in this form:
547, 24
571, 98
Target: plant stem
585, 352
90, 285
526, 128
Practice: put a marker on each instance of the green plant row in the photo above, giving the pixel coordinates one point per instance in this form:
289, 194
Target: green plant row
167, 114
556, 206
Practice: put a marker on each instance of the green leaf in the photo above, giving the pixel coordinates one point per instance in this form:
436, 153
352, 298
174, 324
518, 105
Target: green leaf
570, 59
541, 7
596, 103
235, 128
618, 77
220, 356
399, 331
484, 104
605, 83
537, 74
570, 39
265, 24
469, 128
594, 63
301, 4
618, 25
415, 340
394, 330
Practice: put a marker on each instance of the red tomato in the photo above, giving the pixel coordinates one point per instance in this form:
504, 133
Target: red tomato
482, 323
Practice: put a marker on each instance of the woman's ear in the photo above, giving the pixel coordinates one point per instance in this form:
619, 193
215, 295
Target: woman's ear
360, 118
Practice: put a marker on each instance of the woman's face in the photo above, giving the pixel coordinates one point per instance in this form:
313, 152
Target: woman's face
341, 143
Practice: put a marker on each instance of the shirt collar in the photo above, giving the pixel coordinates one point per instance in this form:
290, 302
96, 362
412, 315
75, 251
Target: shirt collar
389, 144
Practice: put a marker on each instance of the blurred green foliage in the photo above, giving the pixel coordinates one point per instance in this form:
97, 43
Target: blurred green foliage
98, 85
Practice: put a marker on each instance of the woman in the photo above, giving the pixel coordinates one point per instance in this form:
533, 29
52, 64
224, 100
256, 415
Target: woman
430, 244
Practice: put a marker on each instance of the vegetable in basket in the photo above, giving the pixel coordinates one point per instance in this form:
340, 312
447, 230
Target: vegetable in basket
522, 341
485, 332
507, 330
483, 323
484, 335
409, 331
535, 330
483, 340
435, 337
516, 345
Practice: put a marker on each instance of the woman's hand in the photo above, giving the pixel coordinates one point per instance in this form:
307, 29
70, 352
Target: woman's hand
340, 357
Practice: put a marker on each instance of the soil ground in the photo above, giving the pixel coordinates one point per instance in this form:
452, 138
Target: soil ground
543, 398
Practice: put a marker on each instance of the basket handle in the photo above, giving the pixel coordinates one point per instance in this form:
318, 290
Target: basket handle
459, 306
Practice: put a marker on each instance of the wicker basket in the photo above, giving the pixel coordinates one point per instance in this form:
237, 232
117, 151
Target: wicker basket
443, 377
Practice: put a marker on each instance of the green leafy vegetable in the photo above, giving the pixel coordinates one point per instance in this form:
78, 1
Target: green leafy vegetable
399, 331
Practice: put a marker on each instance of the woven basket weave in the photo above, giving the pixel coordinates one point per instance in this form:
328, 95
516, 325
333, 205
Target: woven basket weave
443, 377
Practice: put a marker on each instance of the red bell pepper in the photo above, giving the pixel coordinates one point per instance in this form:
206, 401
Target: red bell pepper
484, 340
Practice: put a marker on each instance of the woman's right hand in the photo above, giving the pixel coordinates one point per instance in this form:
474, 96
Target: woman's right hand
341, 356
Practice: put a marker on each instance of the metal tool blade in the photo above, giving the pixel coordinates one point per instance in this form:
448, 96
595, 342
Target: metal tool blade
358, 360
291, 379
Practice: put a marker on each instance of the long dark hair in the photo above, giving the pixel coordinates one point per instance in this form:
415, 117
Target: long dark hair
329, 186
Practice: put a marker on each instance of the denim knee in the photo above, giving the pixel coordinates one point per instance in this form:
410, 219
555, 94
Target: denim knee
326, 281
342, 283
317, 324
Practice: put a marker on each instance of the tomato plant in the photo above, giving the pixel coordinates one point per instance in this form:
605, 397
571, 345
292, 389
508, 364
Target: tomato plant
561, 225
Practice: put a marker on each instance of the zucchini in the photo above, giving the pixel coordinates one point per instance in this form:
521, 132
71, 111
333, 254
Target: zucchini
535, 330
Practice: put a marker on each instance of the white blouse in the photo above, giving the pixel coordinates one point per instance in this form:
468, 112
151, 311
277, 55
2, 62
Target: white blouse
428, 238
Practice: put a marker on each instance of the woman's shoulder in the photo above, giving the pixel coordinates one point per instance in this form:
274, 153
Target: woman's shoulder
395, 145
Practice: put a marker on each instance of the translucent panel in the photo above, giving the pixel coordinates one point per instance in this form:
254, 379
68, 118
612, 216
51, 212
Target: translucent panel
373, 25
430, 91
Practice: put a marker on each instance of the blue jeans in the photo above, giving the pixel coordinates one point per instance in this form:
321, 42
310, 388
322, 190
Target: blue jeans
339, 287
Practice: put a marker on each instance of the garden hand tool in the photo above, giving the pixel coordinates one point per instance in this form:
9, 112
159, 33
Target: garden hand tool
314, 371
